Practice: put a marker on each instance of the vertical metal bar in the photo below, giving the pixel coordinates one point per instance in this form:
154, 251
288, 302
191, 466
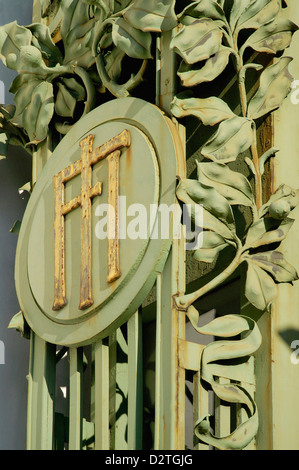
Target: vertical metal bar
75, 394
135, 383
41, 394
101, 395
170, 378
200, 407
158, 387
222, 414
112, 387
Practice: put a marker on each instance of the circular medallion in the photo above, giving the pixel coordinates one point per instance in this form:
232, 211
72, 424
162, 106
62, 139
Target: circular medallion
94, 235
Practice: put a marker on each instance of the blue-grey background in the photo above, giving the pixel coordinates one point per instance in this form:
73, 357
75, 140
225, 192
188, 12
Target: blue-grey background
14, 172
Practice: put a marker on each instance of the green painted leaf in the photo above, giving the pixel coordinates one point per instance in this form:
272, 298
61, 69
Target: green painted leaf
12, 38
275, 85
209, 221
272, 37
210, 199
135, 43
233, 137
24, 89
194, 74
203, 9
41, 38
238, 7
234, 186
38, 113
260, 288
212, 245
77, 33
65, 102
258, 13
152, 15
74, 87
197, 41
210, 111
267, 231
274, 263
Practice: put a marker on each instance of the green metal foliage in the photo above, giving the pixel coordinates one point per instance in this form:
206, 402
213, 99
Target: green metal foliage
209, 38
59, 83
228, 326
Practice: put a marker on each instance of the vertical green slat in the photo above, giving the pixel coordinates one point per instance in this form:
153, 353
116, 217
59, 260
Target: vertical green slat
135, 384
158, 389
75, 416
112, 388
41, 394
101, 395
200, 407
222, 414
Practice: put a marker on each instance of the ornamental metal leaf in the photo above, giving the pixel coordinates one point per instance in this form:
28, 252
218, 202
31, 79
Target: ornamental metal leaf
197, 41
260, 288
274, 87
234, 186
233, 137
195, 74
210, 111
152, 15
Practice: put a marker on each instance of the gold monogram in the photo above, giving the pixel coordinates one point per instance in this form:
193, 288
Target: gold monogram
111, 151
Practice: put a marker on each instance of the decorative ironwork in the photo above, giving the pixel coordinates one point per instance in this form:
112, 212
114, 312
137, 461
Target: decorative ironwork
54, 89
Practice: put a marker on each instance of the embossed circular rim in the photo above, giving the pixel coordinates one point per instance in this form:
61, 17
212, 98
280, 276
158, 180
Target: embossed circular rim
164, 137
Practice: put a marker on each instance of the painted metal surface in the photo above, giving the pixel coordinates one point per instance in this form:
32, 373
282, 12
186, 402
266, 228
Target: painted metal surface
139, 258
205, 37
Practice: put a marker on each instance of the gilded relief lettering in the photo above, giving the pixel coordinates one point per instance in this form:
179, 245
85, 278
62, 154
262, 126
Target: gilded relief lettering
111, 151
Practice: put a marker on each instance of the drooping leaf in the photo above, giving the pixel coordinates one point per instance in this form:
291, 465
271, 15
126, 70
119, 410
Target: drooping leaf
267, 231
41, 38
210, 111
77, 33
238, 7
233, 137
152, 15
260, 288
203, 9
234, 186
275, 85
12, 38
210, 199
65, 102
212, 244
274, 263
195, 74
258, 13
209, 220
135, 43
38, 113
23, 86
74, 87
272, 37
197, 41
